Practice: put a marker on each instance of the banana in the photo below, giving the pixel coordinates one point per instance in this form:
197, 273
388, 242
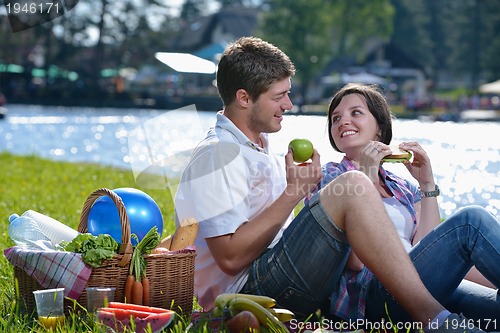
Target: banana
265, 317
283, 315
218, 312
223, 300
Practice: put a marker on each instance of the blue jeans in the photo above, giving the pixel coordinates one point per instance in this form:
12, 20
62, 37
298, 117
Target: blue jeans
303, 268
469, 237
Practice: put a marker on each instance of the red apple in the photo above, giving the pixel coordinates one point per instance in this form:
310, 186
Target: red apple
243, 322
302, 149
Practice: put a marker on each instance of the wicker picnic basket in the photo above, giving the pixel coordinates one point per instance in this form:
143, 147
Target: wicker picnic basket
171, 275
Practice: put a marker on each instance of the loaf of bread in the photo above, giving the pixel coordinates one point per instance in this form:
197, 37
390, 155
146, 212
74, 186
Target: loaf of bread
166, 242
184, 235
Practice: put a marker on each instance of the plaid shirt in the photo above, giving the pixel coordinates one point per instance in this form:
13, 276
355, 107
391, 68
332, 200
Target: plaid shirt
348, 301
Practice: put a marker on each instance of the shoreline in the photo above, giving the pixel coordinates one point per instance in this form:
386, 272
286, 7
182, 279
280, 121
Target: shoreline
463, 116
304, 110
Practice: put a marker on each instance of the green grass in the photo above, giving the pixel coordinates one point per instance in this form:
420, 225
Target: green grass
59, 190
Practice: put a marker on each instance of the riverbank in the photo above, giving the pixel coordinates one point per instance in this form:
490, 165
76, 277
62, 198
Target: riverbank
127, 101
213, 104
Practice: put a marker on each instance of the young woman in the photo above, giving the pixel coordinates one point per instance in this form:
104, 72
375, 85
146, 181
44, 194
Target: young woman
359, 122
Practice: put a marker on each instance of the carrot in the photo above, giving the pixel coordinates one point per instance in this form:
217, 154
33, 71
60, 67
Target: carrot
137, 293
145, 290
138, 264
129, 284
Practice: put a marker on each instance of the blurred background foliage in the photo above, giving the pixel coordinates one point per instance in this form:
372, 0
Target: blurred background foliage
84, 48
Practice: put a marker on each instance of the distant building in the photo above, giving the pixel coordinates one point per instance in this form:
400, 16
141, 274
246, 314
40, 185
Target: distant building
406, 73
207, 36
388, 66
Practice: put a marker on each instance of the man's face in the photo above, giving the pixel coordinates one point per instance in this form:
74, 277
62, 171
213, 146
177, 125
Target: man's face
266, 113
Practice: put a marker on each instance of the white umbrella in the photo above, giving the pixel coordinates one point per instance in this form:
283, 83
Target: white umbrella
490, 88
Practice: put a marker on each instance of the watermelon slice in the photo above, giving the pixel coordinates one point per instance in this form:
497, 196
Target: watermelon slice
119, 316
130, 306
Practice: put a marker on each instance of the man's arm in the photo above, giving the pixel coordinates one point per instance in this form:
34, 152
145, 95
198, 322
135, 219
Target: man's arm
234, 252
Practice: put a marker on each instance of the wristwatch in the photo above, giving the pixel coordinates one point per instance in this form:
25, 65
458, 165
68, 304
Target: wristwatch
430, 194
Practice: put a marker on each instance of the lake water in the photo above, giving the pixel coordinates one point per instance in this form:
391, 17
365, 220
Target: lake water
465, 156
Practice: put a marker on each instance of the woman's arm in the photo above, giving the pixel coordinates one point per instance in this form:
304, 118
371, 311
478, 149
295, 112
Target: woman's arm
428, 217
427, 209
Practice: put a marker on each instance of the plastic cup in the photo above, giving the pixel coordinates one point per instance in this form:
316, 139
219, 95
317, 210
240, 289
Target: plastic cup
50, 306
98, 297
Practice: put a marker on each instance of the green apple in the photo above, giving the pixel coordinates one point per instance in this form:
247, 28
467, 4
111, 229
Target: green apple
302, 149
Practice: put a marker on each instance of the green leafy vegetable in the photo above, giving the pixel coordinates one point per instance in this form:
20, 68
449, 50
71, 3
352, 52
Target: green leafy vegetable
94, 249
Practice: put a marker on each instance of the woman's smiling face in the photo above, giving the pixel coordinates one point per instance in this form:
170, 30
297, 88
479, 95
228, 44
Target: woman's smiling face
353, 125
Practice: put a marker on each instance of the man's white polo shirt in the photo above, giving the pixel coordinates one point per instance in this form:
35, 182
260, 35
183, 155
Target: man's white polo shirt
228, 181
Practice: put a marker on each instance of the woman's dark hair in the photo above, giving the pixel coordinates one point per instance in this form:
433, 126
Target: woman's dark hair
251, 64
377, 105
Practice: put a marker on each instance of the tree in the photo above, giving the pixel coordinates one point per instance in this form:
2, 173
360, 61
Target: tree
475, 47
462, 24
416, 31
229, 3
355, 22
312, 32
464, 36
490, 41
300, 29
96, 34
192, 9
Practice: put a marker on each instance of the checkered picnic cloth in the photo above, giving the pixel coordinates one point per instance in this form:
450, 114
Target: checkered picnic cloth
52, 269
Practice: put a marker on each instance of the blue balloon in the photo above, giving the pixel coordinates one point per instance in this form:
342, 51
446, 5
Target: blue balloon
142, 211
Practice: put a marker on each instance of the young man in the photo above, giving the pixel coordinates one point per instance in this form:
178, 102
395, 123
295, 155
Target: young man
243, 198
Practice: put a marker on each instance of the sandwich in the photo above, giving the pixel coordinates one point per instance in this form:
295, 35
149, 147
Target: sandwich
398, 155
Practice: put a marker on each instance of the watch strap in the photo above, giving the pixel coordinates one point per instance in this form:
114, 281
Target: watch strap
430, 194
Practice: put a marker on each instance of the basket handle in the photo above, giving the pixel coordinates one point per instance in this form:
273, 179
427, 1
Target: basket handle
125, 247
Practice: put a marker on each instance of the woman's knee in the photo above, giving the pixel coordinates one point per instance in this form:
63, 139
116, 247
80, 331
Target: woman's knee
475, 215
348, 184
477, 212
350, 192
